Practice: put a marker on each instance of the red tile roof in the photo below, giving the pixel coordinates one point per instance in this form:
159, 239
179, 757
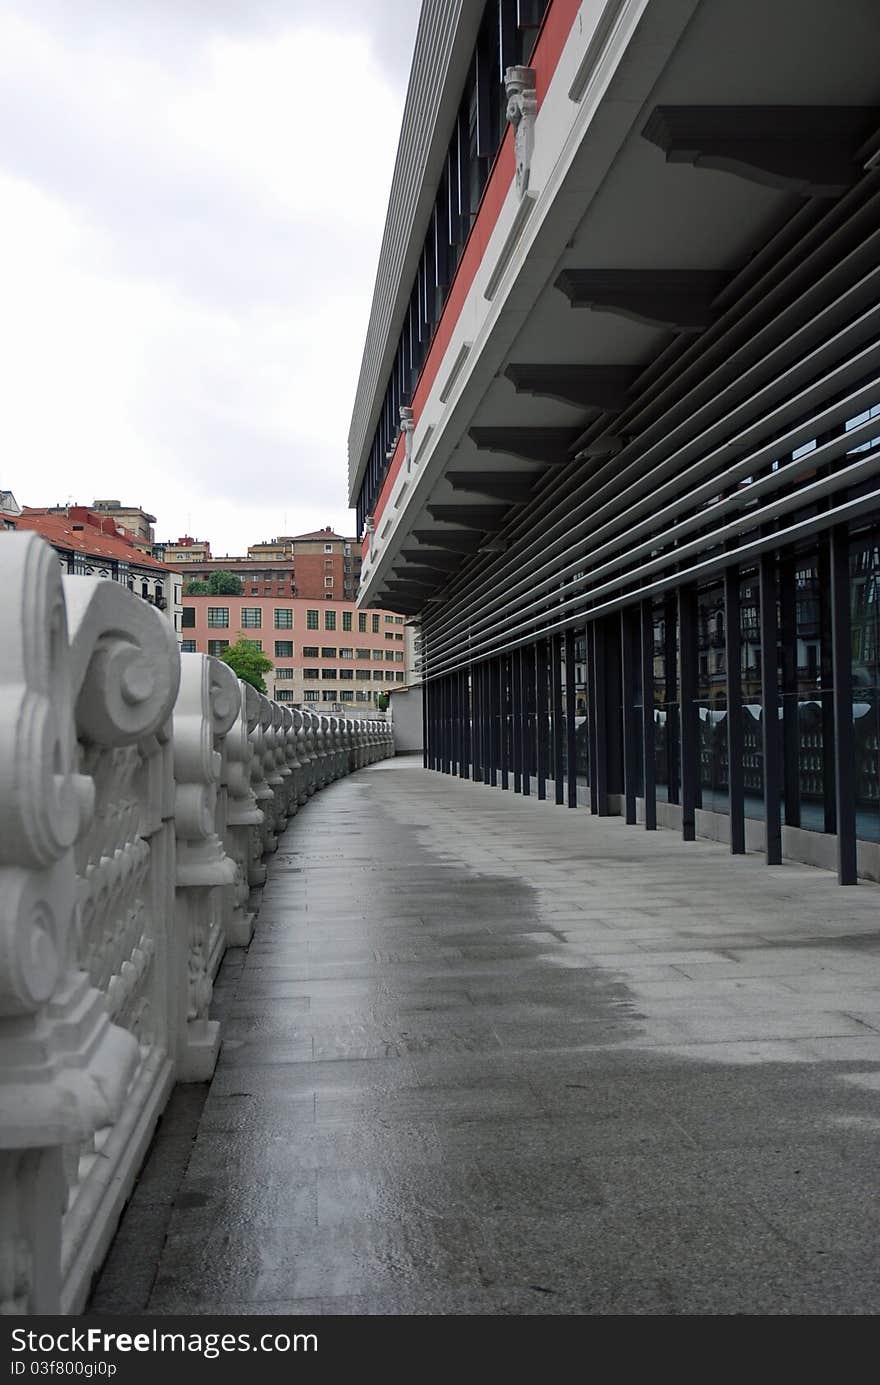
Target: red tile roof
99, 537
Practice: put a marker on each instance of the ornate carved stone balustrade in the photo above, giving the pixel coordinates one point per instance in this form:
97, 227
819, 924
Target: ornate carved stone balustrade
140, 790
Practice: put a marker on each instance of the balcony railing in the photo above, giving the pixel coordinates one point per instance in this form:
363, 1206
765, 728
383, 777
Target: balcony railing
140, 791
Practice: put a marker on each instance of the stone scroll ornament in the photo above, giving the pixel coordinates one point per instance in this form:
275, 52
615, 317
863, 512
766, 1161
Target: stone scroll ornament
243, 814
207, 706
80, 665
407, 428
522, 107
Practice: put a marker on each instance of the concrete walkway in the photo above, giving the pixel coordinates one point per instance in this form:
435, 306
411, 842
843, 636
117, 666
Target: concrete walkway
486, 1055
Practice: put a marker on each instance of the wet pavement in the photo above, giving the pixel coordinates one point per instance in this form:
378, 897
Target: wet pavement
487, 1055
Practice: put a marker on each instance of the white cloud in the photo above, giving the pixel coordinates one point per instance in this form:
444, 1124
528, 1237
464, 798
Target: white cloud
189, 253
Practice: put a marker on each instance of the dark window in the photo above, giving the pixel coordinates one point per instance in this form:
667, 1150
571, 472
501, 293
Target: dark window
189, 617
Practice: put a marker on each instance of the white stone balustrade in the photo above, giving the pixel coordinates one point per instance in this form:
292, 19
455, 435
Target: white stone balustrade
140, 790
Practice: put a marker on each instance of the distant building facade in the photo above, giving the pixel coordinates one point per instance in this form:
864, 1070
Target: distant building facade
90, 543
322, 653
322, 565
185, 550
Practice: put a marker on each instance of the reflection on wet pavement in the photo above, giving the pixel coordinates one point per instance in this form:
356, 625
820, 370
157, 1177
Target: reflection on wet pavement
486, 1055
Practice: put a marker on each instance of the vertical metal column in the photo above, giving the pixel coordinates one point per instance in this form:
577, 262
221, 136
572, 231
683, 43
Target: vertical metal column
480, 722
495, 676
688, 713
556, 685
476, 718
592, 662
735, 740
454, 683
463, 694
844, 733
424, 724
438, 721
570, 736
826, 643
503, 716
598, 713
770, 708
628, 654
445, 766
525, 668
492, 675
791, 788
487, 721
541, 715
648, 729
515, 715
673, 696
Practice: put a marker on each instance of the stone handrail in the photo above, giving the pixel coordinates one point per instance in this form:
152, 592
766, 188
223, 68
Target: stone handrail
140, 790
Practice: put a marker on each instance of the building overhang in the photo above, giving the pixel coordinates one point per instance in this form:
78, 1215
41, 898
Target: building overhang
646, 201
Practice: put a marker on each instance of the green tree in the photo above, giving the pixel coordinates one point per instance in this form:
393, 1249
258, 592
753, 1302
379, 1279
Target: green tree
224, 584
382, 702
248, 663
197, 588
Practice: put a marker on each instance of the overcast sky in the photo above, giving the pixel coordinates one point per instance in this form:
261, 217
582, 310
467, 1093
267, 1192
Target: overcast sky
192, 195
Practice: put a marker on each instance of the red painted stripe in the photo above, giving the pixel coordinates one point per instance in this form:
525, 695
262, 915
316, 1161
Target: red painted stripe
554, 32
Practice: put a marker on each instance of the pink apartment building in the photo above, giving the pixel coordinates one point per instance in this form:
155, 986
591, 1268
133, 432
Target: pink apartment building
328, 653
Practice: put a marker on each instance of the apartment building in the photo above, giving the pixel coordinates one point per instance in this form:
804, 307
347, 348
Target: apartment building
321, 565
92, 543
326, 653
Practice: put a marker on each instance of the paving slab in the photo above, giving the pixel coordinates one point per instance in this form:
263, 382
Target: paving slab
486, 1055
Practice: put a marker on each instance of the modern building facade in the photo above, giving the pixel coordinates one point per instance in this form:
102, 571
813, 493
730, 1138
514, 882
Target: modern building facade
326, 656
616, 438
92, 543
322, 565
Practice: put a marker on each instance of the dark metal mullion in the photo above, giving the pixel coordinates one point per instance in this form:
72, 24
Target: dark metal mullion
492, 677
504, 720
485, 721
515, 714
476, 714
826, 664
425, 751
628, 617
526, 722
483, 97
790, 721
597, 713
590, 728
735, 737
673, 697
445, 697
844, 732
648, 727
541, 715
464, 695
507, 36
689, 716
556, 681
570, 736
770, 709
